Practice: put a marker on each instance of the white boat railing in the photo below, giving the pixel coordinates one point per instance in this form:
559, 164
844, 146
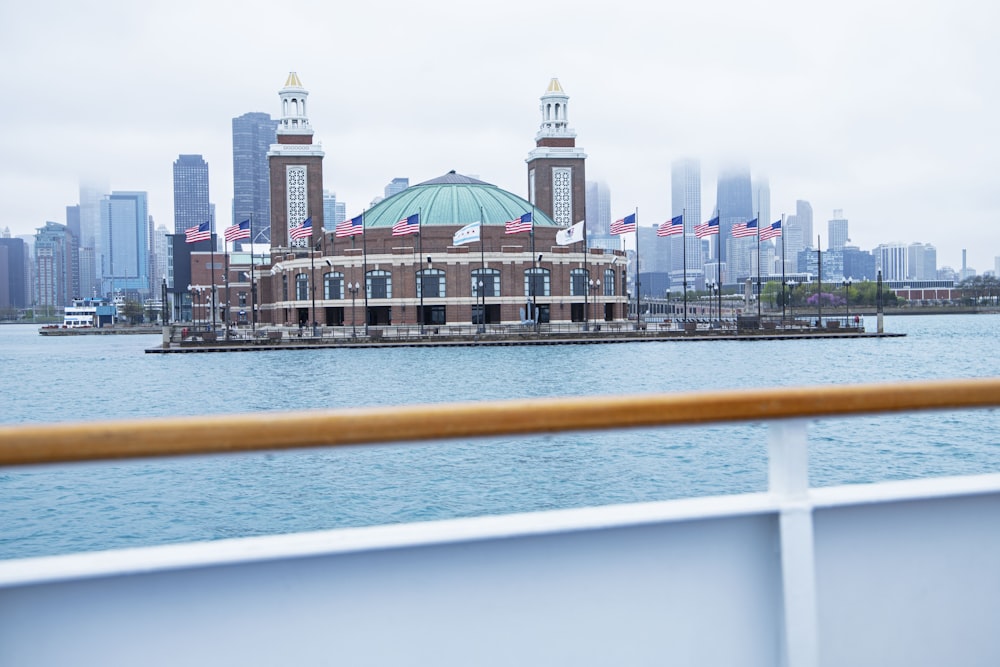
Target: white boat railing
900, 573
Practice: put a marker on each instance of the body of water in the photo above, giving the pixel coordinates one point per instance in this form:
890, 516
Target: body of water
85, 507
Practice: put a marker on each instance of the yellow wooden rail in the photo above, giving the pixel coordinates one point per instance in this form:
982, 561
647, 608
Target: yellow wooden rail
180, 436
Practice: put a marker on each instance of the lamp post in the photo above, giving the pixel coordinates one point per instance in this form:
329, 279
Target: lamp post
847, 301
595, 289
669, 310
791, 295
481, 293
190, 291
312, 284
353, 289
711, 287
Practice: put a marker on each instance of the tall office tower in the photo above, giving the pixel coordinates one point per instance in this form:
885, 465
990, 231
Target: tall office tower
334, 212
125, 229
556, 178
56, 266
158, 266
85, 260
73, 220
921, 261
735, 204
396, 186
685, 199
253, 134
891, 259
296, 168
92, 191
599, 218
191, 205
13, 275
761, 191
837, 231
796, 234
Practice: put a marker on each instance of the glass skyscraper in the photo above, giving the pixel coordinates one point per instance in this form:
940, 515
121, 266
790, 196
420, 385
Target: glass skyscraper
253, 134
126, 251
191, 206
685, 199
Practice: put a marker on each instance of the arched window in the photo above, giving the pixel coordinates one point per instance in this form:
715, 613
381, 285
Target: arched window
430, 283
578, 279
609, 282
536, 282
333, 285
284, 287
379, 285
301, 287
491, 282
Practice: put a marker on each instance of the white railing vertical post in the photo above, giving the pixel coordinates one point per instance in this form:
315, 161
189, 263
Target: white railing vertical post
789, 483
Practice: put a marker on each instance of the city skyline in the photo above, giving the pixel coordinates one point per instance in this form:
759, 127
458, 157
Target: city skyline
898, 138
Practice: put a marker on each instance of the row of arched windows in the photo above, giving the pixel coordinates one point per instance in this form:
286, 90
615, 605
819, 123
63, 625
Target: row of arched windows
431, 284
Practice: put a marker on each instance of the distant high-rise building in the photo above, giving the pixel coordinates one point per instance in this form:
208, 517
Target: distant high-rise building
921, 261
125, 228
892, 260
685, 199
253, 134
735, 205
396, 186
761, 191
837, 231
86, 259
858, 264
556, 178
13, 274
797, 234
334, 212
191, 204
56, 266
159, 268
91, 193
599, 218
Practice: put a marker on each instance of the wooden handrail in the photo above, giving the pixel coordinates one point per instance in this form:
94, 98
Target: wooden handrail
182, 436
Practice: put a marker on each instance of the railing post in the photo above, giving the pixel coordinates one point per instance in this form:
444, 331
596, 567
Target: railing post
789, 483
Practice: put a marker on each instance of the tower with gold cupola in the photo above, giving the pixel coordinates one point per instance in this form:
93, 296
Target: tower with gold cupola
296, 172
556, 178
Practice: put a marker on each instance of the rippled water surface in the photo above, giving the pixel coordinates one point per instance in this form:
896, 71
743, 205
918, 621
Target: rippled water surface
99, 506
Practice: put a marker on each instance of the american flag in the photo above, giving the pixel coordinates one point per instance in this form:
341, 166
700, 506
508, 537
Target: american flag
202, 232
522, 224
771, 232
241, 230
355, 225
744, 229
303, 231
707, 228
408, 225
624, 226
671, 227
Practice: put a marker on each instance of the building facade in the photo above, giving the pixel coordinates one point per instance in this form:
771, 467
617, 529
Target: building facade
686, 261
13, 274
837, 236
191, 199
56, 266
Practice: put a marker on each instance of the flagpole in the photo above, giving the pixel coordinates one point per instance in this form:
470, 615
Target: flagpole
211, 236
638, 284
225, 276
534, 269
718, 267
587, 281
418, 269
481, 283
684, 240
364, 266
253, 286
760, 292
782, 269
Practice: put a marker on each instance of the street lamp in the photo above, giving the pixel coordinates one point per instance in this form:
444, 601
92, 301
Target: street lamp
595, 289
353, 289
712, 287
481, 293
847, 300
791, 295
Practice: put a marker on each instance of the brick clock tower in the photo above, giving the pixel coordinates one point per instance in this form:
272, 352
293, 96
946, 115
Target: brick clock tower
296, 166
556, 180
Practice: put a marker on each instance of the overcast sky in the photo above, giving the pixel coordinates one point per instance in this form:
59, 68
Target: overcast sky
887, 110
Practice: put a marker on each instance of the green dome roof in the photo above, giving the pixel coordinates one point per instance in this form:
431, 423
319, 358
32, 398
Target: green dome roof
453, 199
